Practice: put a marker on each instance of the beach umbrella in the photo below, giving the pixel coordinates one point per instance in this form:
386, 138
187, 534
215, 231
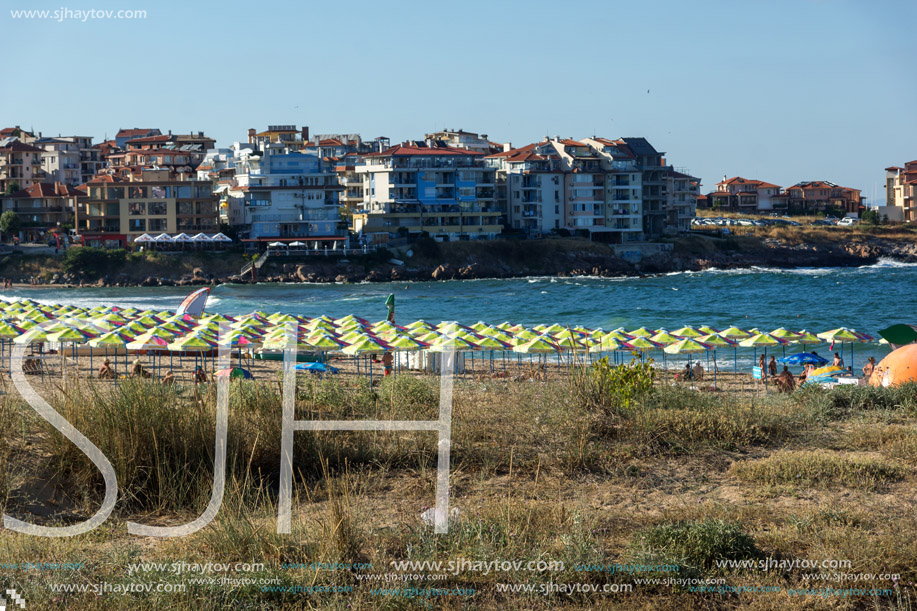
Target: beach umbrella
33, 335
686, 346
844, 336
803, 358
715, 340
688, 332
234, 373
536, 345
763, 340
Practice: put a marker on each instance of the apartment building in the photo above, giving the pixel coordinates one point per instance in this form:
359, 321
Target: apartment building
60, 160
277, 194
20, 165
682, 191
42, 207
747, 195
416, 187
900, 193
145, 200
529, 188
592, 187
819, 195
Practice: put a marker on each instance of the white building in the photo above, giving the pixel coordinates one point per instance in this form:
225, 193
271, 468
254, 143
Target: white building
280, 195
61, 160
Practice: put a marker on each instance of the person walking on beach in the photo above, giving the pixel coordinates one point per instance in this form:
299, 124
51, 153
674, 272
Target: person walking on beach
772, 367
763, 366
387, 361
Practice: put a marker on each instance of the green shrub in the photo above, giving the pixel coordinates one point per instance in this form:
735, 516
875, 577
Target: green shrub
614, 388
697, 545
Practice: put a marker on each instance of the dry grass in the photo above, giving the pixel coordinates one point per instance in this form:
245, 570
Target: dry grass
540, 471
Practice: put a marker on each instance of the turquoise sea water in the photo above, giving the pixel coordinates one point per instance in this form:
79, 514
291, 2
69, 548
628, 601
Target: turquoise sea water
867, 299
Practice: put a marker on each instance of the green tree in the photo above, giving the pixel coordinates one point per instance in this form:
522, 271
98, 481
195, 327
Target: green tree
871, 217
9, 222
11, 187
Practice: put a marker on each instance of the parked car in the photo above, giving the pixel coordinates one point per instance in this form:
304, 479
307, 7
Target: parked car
847, 221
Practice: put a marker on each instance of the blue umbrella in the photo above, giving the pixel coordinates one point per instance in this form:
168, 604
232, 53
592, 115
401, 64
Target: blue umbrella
316, 368
803, 358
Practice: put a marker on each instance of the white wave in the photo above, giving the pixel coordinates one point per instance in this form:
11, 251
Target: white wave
884, 263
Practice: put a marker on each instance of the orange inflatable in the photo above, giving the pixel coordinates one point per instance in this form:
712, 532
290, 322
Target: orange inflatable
897, 368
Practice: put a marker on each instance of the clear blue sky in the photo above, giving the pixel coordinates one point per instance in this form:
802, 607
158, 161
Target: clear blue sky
782, 91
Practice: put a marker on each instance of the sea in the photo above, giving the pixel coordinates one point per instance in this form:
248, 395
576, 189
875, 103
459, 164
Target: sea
867, 299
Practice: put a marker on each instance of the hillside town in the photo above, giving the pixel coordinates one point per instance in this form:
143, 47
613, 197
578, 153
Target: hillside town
284, 186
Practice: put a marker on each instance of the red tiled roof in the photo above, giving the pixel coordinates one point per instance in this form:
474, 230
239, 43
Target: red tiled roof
511, 152
19, 147
569, 142
330, 142
9, 131
45, 189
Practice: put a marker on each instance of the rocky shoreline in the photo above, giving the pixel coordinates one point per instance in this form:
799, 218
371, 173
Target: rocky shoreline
769, 253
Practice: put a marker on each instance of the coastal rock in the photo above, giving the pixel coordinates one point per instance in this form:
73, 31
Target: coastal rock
468, 271
443, 272
341, 278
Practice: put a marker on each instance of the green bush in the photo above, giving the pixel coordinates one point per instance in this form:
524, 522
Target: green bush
614, 388
698, 544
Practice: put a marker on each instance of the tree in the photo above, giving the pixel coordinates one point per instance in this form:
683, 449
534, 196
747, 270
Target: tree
11, 187
871, 217
9, 222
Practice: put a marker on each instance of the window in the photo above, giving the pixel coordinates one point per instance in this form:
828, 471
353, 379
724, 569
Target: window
138, 225
182, 191
137, 208
185, 207
202, 191
156, 208
204, 207
159, 192
156, 224
115, 193
137, 192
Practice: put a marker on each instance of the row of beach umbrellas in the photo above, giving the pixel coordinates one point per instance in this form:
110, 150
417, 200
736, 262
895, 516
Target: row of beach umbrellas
163, 332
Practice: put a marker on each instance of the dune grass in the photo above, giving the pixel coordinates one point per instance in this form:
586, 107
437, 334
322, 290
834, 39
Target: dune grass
596, 467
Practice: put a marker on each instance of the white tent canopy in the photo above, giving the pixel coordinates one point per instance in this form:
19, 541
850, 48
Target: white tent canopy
144, 238
182, 237
219, 237
277, 245
201, 237
298, 244
163, 237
